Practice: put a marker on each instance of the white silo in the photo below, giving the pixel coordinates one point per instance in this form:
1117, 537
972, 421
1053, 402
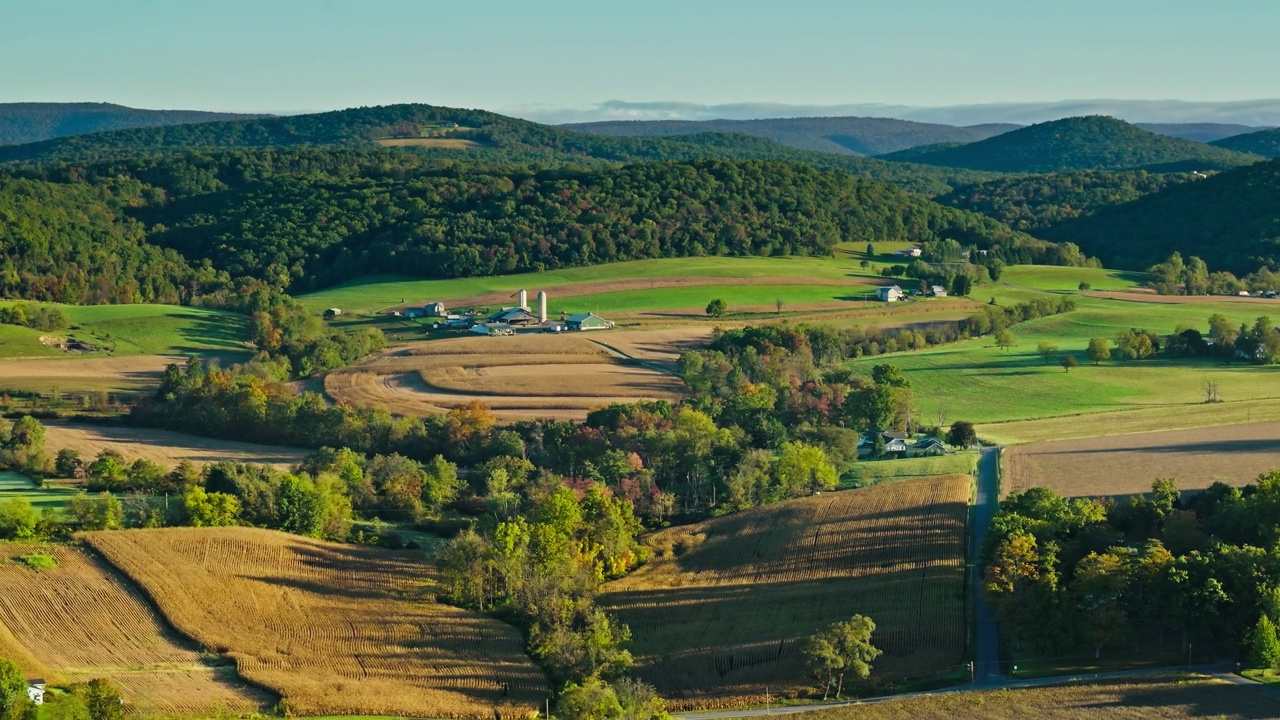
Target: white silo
524, 299
542, 306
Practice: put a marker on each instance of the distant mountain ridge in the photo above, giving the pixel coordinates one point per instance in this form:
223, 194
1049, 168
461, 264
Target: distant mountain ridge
22, 123
1264, 142
842, 135
1080, 143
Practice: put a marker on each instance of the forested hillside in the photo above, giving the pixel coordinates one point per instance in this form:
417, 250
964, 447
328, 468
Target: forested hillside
300, 219
487, 137
1082, 143
33, 122
1264, 142
1232, 220
1200, 132
1031, 203
843, 135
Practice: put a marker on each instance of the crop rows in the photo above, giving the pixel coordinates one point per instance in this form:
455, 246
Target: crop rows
80, 621
333, 629
717, 614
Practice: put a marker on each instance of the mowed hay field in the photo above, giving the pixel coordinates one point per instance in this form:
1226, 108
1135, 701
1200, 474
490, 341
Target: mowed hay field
519, 377
81, 621
1125, 464
1158, 697
113, 374
334, 629
717, 612
162, 446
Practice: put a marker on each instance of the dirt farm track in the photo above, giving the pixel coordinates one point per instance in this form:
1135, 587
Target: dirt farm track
1126, 464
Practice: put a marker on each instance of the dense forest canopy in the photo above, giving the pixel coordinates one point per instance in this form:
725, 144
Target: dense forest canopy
492, 138
1264, 142
22, 123
1200, 132
1082, 143
1031, 203
843, 135
300, 219
1232, 220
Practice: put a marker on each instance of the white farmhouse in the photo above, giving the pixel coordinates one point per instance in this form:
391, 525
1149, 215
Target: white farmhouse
890, 293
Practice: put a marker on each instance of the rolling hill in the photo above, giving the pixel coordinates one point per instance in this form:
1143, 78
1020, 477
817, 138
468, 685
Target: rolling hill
1232, 220
1200, 132
33, 122
1264, 142
1082, 143
841, 135
467, 135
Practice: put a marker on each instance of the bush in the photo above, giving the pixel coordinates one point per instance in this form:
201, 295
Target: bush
39, 561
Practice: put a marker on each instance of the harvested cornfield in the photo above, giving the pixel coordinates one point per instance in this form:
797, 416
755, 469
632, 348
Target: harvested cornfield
1128, 464
519, 377
716, 614
162, 446
82, 620
334, 629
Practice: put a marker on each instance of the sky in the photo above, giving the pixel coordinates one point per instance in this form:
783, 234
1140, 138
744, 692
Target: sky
550, 56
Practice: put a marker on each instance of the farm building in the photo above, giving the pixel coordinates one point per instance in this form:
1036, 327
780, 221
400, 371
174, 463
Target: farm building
514, 316
587, 321
938, 291
332, 313
914, 252
894, 442
890, 293
434, 309
35, 691
492, 328
926, 447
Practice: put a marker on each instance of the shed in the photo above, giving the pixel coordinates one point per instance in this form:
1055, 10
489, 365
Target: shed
35, 691
938, 291
587, 321
331, 313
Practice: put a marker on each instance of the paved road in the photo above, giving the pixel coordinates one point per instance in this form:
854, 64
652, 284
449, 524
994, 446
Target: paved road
986, 636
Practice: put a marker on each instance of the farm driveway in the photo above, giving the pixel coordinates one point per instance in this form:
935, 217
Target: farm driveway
986, 635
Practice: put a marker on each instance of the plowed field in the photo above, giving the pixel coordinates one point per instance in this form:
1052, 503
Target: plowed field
717, 612
162, 446
334, 629
82, 620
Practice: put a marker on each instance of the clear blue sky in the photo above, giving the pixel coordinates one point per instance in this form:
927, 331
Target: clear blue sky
292, 55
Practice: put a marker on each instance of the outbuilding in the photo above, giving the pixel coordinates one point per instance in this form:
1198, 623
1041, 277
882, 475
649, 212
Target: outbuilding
434, 309
890, 293
587, 321
35, 691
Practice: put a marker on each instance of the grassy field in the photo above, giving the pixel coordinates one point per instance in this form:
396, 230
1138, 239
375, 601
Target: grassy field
1120, 464
1167, 697
14, 486
80, 621
873, 471
716, 613
1059, 279
135, 330
334, 629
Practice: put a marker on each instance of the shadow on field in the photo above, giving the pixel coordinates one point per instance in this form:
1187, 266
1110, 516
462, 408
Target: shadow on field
1208, 701
1258, 445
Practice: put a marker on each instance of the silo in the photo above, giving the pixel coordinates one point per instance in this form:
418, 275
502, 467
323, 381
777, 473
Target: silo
524, 299
542, 306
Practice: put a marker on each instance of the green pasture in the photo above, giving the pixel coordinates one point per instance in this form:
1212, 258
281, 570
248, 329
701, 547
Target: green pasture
135, 330
376, 293
870, 472
976, 381
1067, 279
15, 486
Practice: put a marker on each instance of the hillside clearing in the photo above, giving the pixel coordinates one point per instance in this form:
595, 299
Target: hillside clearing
1170, 697
716, 613
164, 447
138, 329
334, 629
1124, 464
80, 621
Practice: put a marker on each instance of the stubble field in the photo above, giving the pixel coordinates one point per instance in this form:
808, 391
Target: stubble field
334, 629
162, 446
717, 612
1125, 464
81, 621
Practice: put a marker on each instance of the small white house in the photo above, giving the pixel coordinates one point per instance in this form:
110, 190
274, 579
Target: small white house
914, 252
35, 691
890, 293
938, 291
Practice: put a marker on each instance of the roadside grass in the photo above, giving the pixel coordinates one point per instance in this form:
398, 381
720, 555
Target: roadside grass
870, 472
135, 330
14, 486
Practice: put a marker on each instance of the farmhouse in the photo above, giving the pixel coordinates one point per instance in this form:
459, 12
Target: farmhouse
587, 321
926, 447
435, 309
914, 252
894, 442
938, 291
35, 691
890, 293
